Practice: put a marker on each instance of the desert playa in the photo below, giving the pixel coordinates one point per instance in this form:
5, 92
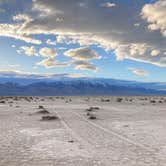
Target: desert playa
83, 131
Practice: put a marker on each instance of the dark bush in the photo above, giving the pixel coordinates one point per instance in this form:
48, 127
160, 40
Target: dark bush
49, 118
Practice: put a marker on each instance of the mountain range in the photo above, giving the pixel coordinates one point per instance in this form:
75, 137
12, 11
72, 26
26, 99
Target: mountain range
55, 86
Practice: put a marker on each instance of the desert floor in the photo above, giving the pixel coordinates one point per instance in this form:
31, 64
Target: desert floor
83, 131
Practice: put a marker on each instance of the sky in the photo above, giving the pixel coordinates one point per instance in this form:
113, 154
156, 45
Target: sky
120, 39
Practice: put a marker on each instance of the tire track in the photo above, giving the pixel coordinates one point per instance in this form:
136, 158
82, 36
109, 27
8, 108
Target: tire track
124, 138
69, 129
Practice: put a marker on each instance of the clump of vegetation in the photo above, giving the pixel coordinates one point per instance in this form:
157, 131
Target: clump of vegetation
43, 112
92, 117
152, 101
49, 118
41, 107
119, 99
92, 109
71, 141
2, 102
105, 100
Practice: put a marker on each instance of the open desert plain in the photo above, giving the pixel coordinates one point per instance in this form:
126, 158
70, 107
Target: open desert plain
83, 131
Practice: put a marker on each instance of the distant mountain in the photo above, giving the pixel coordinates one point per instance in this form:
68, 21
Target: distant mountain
76, 86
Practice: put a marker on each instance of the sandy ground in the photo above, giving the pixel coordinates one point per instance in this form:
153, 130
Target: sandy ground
127, 133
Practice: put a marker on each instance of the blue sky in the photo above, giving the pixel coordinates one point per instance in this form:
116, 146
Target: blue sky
112, 39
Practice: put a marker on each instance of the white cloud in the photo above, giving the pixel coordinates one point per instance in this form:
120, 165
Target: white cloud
30, 51
112, 30
14, 31
83, 53
84, 65
155, 52
139, 72
47, 52
23, 74
50, 42
51, 63
155, 14
108, 4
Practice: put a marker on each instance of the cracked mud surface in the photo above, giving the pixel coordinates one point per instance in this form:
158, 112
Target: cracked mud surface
124, 134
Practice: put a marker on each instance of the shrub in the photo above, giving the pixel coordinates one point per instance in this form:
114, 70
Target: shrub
92, 117
49, 118
41, 107
119, 99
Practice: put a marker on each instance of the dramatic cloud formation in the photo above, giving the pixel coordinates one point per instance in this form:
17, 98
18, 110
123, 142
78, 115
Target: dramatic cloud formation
131, 31
139, 72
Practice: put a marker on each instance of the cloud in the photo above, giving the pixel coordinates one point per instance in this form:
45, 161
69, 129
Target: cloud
108, 4
47, 52
139, 72
84, 65
30, 51
79, 65
155, 14
51, 63
23, 74
155, 52
50, 42
82, 53
114, 29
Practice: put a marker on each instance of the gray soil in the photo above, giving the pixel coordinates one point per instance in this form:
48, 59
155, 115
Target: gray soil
127, 132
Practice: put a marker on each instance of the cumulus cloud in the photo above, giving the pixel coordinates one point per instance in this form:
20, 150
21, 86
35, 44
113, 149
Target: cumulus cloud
116, 29
50, 42
139, 72
84, 65
79, 65
155, 52
83, 53
155, 15
47, 52
30, 51
51, 63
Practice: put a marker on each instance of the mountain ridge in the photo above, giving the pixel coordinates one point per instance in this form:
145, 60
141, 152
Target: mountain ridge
77, 86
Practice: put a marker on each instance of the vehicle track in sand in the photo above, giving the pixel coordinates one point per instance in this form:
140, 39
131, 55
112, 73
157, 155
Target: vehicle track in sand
144, 147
